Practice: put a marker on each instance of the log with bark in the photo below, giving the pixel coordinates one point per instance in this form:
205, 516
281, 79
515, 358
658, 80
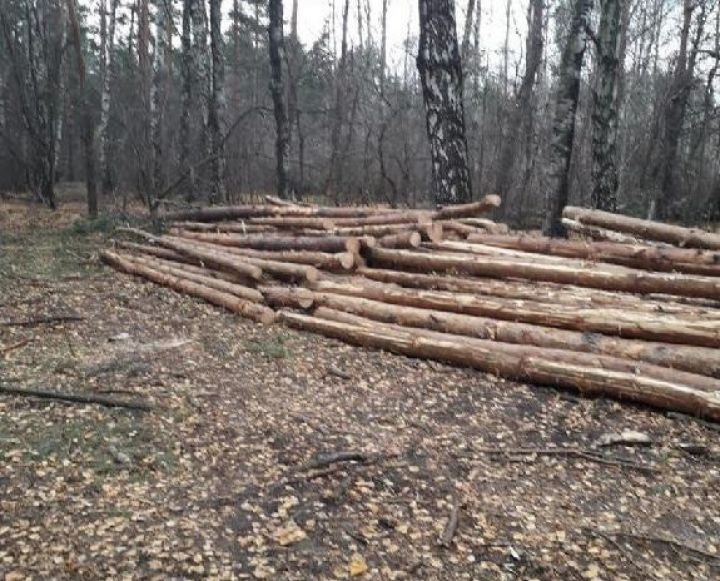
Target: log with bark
592, 375
596, 233
276, 243
294, 222
616, 321
294, 297
333, 262
648, 229
488, 225
699, 360
256, 312
238, 227
409, 239
664, 259
488, 203
631, 281
225, 213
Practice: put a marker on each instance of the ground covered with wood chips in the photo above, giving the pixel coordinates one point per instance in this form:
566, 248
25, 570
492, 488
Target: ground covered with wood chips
225, 477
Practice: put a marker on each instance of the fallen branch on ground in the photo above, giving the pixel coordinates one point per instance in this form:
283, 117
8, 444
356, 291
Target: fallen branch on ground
77, 398
41, 321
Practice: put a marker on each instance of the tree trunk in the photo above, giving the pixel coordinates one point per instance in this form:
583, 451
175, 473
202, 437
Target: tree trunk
523, 107
187, 71
216, 109
277, 90
440, 70
157, 104
108, 58
314, 244
333, 182
563, 132
605, 108
590, 374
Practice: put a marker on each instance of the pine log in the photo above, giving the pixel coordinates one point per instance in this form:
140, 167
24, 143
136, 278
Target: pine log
487, 225
409, 239
294, 222
180, 271
158, 251
645, 257
281, 296
537, 291
429, 230
408, 217
190, 265
207, 255
256, 312
333, 262
275, 201
648, 229
609, 321
592, 375
289, 271
223, 213
634, 281
488, 203
319, 244
464, 230
238, 227
699, 360
600, 234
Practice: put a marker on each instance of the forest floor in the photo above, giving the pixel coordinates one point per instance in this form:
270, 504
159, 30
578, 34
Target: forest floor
218, 481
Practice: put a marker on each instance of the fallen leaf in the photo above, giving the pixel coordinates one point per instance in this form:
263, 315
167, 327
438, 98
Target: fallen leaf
358, 565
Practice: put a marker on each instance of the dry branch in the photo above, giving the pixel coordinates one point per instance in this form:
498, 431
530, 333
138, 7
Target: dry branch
77, 398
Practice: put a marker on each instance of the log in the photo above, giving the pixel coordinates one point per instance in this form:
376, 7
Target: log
592, 375
541, 292
464, 230
699, 360
189, 265
407, 217
281, 296
488, 203
409, 239
213, 257
319, 244
648, 229
237, 227
158, 251
294, 222
256, 312
487, 225
244, 292
224, 213
598, 233
429, 230
333, 262
276, 201
619, 322
633, 281
663, 259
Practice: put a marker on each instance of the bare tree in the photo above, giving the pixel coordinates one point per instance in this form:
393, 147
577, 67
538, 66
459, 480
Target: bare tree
216, 109
107, 61
277, 90
563, 129
438, 64
605, 107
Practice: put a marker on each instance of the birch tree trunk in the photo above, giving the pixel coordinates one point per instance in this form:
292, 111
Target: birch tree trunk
563, 135
217, 104
605, 111
438, 63
277, 90
105, 99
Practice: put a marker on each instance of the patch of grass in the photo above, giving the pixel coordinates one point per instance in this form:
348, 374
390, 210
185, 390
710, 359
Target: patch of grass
273, 348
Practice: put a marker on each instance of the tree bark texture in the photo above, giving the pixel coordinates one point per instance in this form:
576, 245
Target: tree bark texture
563, 132
439, 66
277, 91
216, 110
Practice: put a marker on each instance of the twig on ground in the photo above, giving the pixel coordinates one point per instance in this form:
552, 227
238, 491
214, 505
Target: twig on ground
41, 321
323, 460
338, 372
679, 545
583, 453
77, 398
451, 527
14, 346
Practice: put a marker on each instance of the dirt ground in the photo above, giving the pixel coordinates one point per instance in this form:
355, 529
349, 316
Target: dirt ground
218, 479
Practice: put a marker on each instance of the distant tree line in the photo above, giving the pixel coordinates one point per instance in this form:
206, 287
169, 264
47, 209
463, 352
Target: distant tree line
612, 104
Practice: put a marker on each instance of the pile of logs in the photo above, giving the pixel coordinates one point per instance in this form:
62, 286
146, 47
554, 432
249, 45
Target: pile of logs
626, 308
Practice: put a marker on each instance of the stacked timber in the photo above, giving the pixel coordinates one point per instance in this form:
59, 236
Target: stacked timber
631, 310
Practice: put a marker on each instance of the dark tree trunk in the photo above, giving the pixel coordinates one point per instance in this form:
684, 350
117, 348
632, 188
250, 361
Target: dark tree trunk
566, 101
438, 63
605, 108
277, 90
217, 103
